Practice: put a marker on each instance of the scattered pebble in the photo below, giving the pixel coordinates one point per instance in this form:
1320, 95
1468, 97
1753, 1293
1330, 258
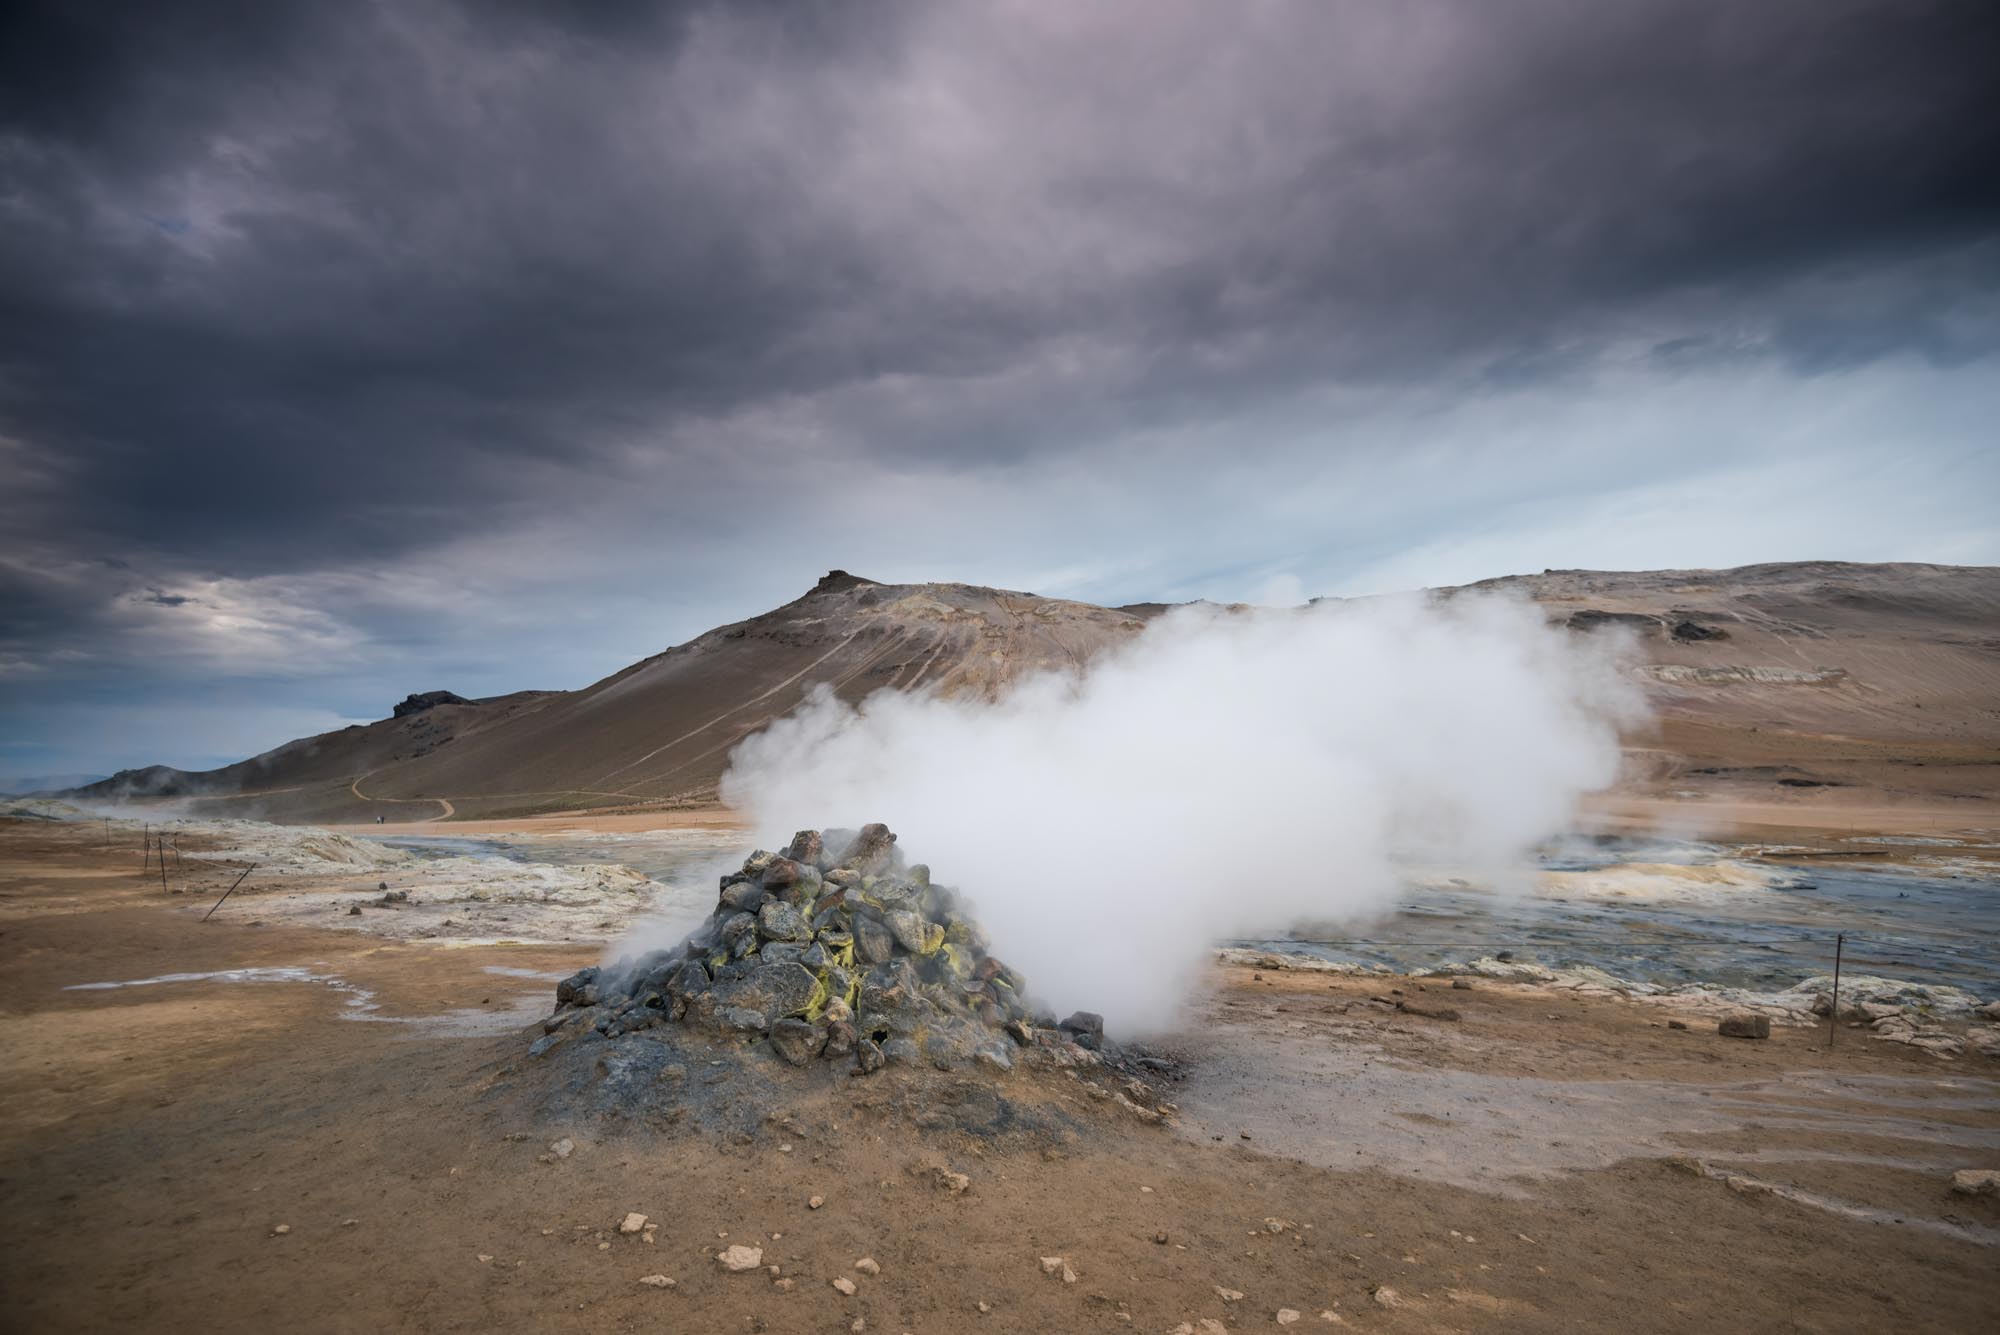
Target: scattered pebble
844, 1284
1965, 1182
631, 1223
868, 1266
1057, 1265
484, 1259
1387, 1297
1287, 1315
814, 1202
281, 1230
656, 1281
563, 1148
739, 1258
1229, 1295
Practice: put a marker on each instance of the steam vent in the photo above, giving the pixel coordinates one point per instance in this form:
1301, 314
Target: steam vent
834, 950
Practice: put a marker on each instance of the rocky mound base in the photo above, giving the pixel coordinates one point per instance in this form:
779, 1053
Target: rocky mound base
837, 949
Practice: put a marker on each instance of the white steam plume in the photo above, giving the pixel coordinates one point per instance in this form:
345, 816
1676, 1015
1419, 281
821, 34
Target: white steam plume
1228, 773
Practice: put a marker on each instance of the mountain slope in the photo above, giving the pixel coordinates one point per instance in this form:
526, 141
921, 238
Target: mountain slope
1771, 679
1805, 674
660, 731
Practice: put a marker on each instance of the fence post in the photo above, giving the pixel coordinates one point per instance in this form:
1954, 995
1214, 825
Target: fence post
1833, 1020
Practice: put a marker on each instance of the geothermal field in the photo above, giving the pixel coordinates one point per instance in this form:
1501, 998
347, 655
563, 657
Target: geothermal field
1294, 1014
999, 667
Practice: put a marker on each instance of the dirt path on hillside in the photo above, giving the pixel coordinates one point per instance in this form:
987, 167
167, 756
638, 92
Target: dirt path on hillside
1509, 1170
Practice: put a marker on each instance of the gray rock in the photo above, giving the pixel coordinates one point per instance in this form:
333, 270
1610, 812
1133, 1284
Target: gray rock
1744, 1024
911, 931
840, 1039
739, 933
872, 941
782, 922
780, 874
872, 849
806, 847
902, 1051
688, 978
1085, 1029
741, 1019
743, 896
867, 1056
543, 1044
994, 1052
797, 1041
945, 1048
570, 989
778, 990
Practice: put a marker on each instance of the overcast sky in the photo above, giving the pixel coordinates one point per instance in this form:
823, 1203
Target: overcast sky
348, 350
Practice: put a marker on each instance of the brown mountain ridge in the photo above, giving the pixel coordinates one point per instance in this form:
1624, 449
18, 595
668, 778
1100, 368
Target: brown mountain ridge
1771, 679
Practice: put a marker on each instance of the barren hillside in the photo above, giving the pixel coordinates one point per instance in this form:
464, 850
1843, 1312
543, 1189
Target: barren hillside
1784, 681
1804, 675
660, 731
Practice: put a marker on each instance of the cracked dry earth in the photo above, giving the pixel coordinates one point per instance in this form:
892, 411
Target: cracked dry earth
1504, 1171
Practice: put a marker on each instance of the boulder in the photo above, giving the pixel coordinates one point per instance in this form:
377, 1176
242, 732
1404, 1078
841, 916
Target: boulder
744, 896
1085, 1029
1744, 1024
797, 1041
781, 922
741, 1019
867, 1056
570, 989
872, 849
779, 990
873, 942
913, 932
806, 847
738, 934
1976, 1182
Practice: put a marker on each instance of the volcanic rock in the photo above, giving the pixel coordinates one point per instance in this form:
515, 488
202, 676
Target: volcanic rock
1744, 1024
797, 1041
827, 955
1976, 1182
739, 1258
1086, 1027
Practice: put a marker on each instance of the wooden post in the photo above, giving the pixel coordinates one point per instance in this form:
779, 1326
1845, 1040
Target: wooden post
1833, 1021
146, 842
227, 893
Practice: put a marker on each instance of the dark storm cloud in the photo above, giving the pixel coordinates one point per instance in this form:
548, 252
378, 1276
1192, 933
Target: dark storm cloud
289, 292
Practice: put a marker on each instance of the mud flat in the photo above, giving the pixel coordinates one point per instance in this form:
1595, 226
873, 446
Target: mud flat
323, 1129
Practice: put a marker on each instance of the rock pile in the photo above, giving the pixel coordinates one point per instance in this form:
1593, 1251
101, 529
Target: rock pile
835, 948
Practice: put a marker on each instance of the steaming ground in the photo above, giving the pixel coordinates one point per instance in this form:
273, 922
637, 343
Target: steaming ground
224, 1150
1226, 773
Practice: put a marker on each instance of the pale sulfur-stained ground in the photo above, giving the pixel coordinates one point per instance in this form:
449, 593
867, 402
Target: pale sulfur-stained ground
1544, 1162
